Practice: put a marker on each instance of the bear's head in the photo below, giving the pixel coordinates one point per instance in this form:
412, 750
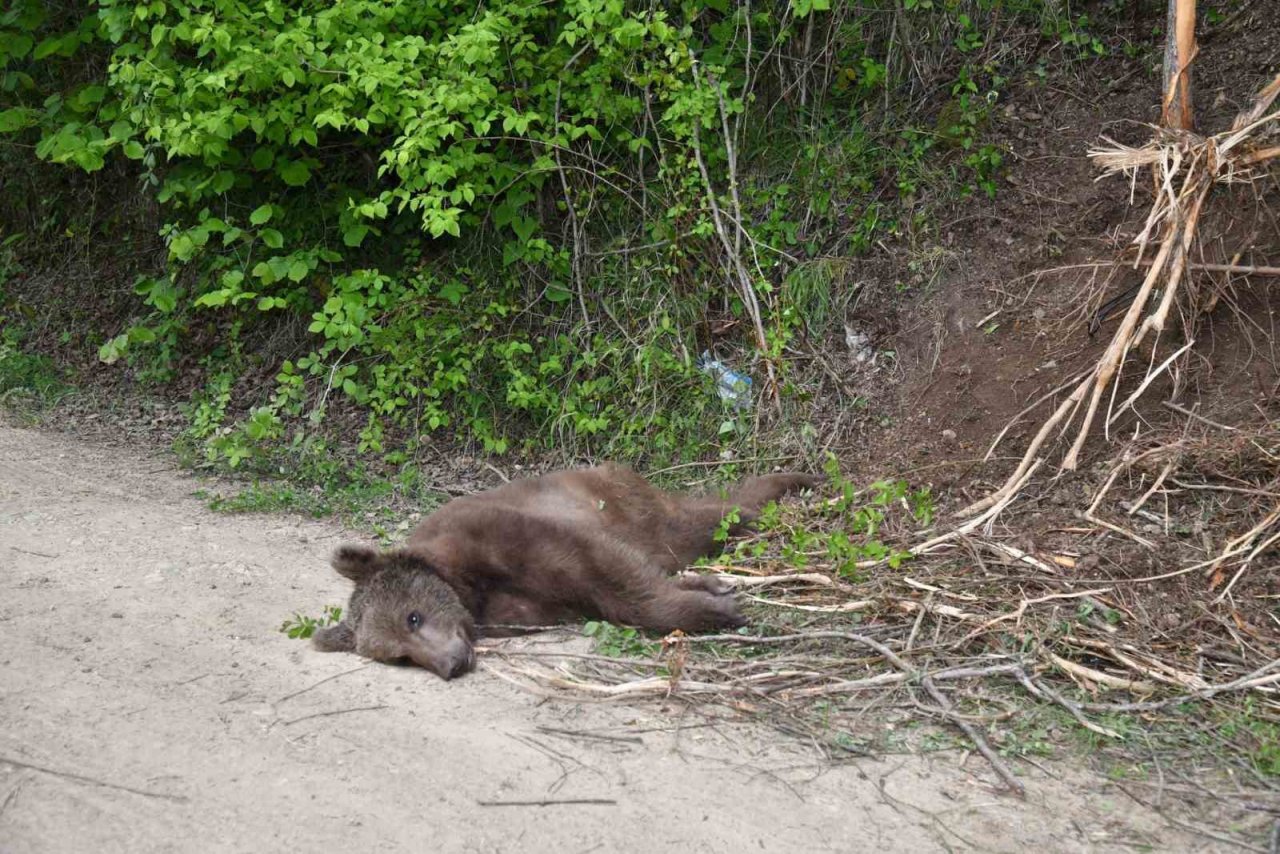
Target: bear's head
401, 611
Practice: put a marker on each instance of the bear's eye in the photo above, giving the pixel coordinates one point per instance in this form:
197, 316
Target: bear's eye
414, 620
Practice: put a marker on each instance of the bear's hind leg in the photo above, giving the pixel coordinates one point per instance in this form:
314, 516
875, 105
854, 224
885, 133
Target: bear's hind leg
669, 607
754, 493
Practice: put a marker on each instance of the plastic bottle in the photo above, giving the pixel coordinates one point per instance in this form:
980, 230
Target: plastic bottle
733, 387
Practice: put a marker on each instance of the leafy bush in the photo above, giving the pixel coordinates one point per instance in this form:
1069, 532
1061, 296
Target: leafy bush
505, 221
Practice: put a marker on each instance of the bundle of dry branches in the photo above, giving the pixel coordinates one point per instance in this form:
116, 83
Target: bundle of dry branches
954, 639
1185, 167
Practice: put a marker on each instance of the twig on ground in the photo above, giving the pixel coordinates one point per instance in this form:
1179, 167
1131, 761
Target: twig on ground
334, 712
91, 781
551, 802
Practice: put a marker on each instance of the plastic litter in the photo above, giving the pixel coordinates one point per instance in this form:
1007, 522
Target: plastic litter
733, 387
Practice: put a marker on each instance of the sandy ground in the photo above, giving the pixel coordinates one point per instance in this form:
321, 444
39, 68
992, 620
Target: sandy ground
148, 703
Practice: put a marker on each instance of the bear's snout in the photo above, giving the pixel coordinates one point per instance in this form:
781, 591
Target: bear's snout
446, 654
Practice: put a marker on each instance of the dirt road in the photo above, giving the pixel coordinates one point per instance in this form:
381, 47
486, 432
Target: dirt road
148, 703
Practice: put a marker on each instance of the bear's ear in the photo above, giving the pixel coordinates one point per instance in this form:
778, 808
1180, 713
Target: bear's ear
356, 562
339, 638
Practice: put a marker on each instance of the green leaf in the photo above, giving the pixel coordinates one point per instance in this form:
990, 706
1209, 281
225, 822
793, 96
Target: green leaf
354, 235
453, 291
298, 270
558, 293
49, 46
295, 173
261, 215
182, 247
16, 119
524, 226
272, 238
213, 299
133, 150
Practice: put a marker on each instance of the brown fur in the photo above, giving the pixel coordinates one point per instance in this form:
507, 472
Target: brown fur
598, 543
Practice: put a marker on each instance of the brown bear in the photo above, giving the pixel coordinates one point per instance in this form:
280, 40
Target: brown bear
599, 543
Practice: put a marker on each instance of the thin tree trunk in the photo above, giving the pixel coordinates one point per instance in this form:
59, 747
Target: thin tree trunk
1179, 51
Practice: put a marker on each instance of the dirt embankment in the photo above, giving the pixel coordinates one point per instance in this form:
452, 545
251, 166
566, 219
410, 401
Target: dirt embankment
150, 704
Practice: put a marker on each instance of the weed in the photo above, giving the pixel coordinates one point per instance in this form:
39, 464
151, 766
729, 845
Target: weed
733, 517
300, 627
29, 376
1258, 737
620, 641
269, 498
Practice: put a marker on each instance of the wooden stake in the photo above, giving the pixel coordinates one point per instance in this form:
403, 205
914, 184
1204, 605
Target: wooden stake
1179, 50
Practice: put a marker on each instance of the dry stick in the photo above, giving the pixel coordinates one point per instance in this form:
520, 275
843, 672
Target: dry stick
322, 681
1261, 102
80, 778
849, 686
1150, 378
1022, 609
1180, 49
1137, 686
893, 658
1156, 669
1156, 320
991, 450
994, 503
1018, 555
769, 580
334, 712
1169, 404
751, 302
1238, 545
1159, 481
1239, 269
1091, 513
1014, 784
1257, 157
1020, 473
842, 608
602, 802
1179, 233
1036, 689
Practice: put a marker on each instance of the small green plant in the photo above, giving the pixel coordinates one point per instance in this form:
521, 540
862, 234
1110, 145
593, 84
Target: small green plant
29, 375
851, 524
1259, 737
619, 641
1075, 36
733, 517
269, 498
300, 627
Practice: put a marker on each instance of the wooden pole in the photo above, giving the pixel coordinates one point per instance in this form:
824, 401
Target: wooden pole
1179, 51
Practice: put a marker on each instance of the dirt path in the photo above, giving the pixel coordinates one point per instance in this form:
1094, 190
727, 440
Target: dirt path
148, 703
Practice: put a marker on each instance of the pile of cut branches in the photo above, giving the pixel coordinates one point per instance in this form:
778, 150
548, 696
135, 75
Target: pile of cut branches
1185, 167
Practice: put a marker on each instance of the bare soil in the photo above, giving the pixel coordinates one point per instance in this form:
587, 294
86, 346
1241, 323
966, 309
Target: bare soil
150, 704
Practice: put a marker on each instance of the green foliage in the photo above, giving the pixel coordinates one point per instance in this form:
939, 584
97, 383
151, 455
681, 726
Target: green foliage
619, 641
497, 222
302, 627
269, 498
30, 375
733, 517
848, 528
1259, 737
